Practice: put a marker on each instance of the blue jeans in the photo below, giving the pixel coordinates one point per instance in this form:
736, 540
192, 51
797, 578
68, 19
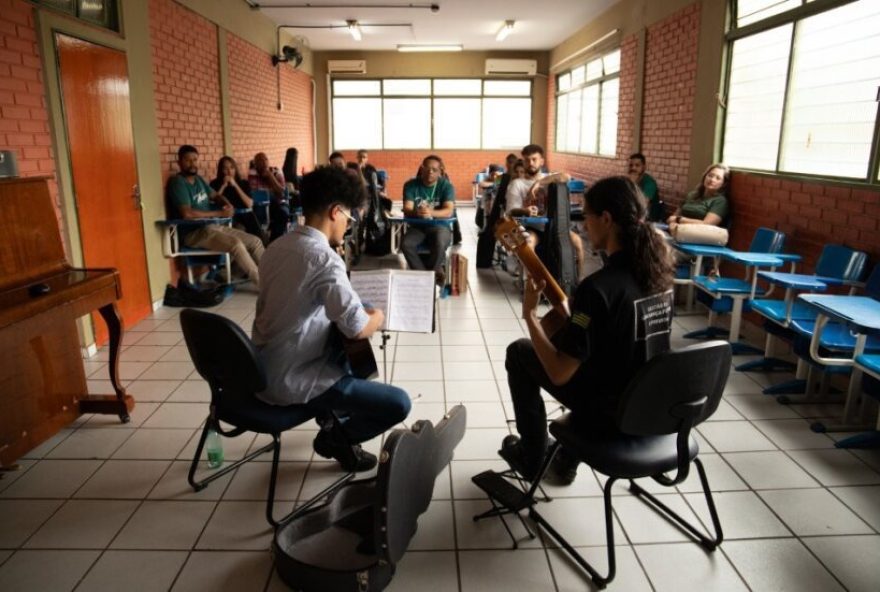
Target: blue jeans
366, 408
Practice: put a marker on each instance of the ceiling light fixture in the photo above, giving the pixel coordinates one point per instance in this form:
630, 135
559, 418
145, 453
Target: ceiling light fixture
505, 30
355, 29
434, 47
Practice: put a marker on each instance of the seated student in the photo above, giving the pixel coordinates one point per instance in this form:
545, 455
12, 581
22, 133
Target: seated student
429, 195
336, 159
525, 197
636, 172
237, 192
708, 203
620, 317
305, 291
288, 169
270, 179
192, 198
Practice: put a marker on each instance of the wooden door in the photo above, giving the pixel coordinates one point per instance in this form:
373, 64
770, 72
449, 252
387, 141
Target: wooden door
97, 118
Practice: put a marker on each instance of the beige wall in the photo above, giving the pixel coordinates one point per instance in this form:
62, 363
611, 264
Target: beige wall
467, 64
632, 17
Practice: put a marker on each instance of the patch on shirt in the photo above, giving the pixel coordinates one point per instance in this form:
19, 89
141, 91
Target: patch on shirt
580, 319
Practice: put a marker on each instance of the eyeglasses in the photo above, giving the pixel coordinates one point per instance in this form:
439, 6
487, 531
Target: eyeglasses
348, 216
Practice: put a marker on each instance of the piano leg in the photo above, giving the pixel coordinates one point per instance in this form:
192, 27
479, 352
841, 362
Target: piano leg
121, 403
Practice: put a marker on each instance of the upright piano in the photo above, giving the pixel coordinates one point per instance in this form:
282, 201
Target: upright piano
42, 375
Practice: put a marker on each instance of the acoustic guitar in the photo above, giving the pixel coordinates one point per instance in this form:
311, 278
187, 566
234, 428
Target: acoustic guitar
514, 238
359, 353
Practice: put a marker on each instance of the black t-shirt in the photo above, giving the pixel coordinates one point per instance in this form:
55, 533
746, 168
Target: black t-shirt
231, 194
614, 328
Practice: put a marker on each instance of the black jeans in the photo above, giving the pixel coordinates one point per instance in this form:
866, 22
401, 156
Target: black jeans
438, 238
526, 377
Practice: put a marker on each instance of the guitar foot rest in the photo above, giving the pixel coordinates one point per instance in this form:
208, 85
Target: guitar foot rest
510, 497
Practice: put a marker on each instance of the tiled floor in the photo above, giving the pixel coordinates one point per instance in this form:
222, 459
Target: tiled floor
104, 506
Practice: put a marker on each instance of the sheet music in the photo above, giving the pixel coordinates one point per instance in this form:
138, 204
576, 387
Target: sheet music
412, 301
373, 287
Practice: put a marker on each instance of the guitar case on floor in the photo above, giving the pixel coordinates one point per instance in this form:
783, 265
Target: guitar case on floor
354, 540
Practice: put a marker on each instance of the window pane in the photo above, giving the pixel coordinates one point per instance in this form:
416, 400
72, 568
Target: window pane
750, 11
608, 123
407, 123
611, 62
759, 66
94, 11
564, 82
831, 109
561, 121
507, 123
403, 86
594, 69
578, 75
590, 119
357, 123
349, 88
573, 125
458, 87
508, 88
456, 123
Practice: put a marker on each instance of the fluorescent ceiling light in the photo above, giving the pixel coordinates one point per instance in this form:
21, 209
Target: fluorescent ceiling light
504, 31
412, 48
355, 29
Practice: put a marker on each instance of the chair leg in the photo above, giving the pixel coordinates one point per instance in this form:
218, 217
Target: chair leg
273, 479
216, 474
600, 581
678, 521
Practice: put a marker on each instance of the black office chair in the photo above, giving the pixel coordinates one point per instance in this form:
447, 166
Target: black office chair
228, 361
663, 402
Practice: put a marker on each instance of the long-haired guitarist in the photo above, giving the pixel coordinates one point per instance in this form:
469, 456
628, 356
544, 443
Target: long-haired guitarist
620, 317
305, 290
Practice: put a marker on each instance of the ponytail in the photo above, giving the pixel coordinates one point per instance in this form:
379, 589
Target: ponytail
647, 251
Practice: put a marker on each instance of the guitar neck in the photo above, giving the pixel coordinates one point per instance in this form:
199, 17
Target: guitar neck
537, 270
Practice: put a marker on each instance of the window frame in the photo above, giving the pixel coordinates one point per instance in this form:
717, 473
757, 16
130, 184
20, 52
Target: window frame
808, 8
431, 97
600, 82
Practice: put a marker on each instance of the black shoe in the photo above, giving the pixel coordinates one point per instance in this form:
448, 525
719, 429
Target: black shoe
526, 463
563, 469
352, 458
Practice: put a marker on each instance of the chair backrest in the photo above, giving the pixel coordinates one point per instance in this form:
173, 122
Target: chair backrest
673, 387
261, 196
841, 262
576, 186
767, 240
222, 353
872, 286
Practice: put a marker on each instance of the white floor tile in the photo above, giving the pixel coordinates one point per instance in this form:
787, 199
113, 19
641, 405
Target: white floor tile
52, 479
174, 486
417, 371
742, 514
27, 570
178, 415
168, 371
238, 525
152, 390
21, 518
523, 570
423, 391
571, 578
734, 436
719, 474
83, 524
41, 450
836, 467
644, 525
463, 471
154, 444
418, 353
123, 479
852, 559
580, 521
466, 371
863, 501
793, 434
231, 571
814, 512
190, 391
435, 530
769, 470
144, 353
488, 533
140, 571
138, 415
687, 566
428, 571
90, 444
251, 482
473, 338
782, 565
481, 444
164, 525
760, 407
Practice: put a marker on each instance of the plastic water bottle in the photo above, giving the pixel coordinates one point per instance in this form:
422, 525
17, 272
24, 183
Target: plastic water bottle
214, 446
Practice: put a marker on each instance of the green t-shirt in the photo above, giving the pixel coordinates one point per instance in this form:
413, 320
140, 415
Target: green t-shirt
196, 195
648, 186
435, 196
694, 207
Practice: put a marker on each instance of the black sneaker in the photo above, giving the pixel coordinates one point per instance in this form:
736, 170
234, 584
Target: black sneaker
526, 463
563, 469
351, 458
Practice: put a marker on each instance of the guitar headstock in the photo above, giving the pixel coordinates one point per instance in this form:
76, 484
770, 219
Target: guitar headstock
511, 234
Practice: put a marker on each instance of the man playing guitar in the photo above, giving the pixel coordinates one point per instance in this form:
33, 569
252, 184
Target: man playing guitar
304, 292
619, 318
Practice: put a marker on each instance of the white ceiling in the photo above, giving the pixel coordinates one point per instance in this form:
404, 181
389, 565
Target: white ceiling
540, 25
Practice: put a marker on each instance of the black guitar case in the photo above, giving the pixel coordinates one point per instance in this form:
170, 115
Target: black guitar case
354, 540
486, 238
558, 252
377, 234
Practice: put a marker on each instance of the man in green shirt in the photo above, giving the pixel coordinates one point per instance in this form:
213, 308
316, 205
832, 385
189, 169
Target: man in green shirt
428, 196
647, 184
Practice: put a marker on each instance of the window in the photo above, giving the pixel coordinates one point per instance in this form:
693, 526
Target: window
587, 101
104, 13
443, 113
802, 90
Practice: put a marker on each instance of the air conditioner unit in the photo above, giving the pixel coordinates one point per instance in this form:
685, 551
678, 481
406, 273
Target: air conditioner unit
519, 67
347, 66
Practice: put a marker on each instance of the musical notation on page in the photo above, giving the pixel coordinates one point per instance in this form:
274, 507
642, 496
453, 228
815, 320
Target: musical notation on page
406, 297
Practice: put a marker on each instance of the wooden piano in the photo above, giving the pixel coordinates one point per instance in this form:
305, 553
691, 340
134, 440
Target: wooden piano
42, 377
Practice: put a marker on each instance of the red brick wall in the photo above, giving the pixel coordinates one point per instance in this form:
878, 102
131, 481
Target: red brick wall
257, 125
461, 166
670, 82
186, 85
811, 214
24, 118
592, 168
